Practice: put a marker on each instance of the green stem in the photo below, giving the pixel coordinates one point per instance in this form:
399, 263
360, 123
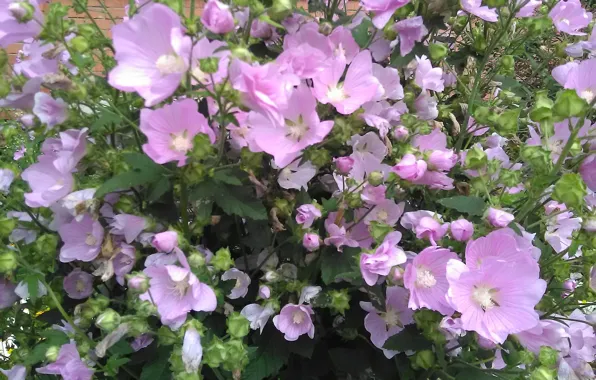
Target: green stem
184, 209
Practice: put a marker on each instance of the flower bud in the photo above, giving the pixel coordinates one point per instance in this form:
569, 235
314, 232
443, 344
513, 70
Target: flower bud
325, 28
8, 261
340, 300
590, 224
7, 225
52, 353
46, 243
280, 9
569, 104
389, 32
543, 373
271, 276
79, 44
538, 158
344, 164
209, 65
424, 359
461, 230
437, 51
571, 190
508, 62
379, 230
499, 218
507, 122
264, 292
138, 281
215, 354
401, 133
475, 158
22, 11
237, 356
242, 53
108, 320
27, 120
222, 260
396, 276
238, 325
196, 260
311, 241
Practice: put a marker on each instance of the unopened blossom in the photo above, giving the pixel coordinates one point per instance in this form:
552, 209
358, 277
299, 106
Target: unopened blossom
7, 295
242, 282
301, 128
570, 17
78, 284
461, 230
401, 133
17, 372
410, 31
497, 298
165, 241
6, 178
152, 53
384, 324
68, 364
428, 77
382, 260
257, 315
123, 262
217, 17
499, 218
476, 8
140, 342
170, 130
127, 225
264, 292
192, 350
47, 183
295, 320
382, 10
296, 175
344, 164
309, 293
426, 279
82, 240
311, 241
359, 86
14, 26
410, 168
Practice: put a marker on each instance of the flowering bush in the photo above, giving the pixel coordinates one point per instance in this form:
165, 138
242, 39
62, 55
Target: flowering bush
404, 190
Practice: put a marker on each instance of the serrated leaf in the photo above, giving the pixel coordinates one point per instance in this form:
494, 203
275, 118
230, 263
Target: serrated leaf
113, 365
159, 367
335, 264
229, 176
407, 339
466, 204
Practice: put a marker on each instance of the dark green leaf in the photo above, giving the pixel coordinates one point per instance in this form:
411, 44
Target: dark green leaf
121, 348
106, 117
159, 189
467, 204
476, 374
144, 171
407, 339
141, 162
349, 360
32, 281
229, 176
336, 263
53, 338
360, 33
330, 204
233, 200
159, 367
304, 346
262, 364
113, 364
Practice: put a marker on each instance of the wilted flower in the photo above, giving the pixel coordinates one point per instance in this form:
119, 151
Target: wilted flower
257, 315
242, 282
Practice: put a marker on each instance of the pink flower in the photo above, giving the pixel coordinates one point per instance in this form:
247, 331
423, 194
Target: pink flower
152, 54
78, 285
569, 17
410, 168
263, 88
311, 241
497, 298
242, 282
295, 320
23, 98
307, 214
386, 256
580, 79
123, 262
529, 8
546, 333
50, 111
388, 78
502, 244
140, 342
582, 337
426, 279
171, 129
344, 164
588, 171
373, 195
474, 7
426, 106
6, 178
7, 295
67, 151
461, 230
257, 315
427, 77
342, 44
499, 218
82, 240
68, 364
382, 9
431, 229
338, 236
359, 87
17, 372
12, 27
206, 49
300, 129
442, 160
401, 133
350, 234
384, 324
264, 292
295, 176
176, 291
19, 153
165, 241
217, 17
48, 185
410, 31
386, 212
130, 226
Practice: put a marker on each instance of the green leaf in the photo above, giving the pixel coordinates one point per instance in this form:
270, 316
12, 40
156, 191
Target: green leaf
360, 33
407, 339
38, 354
330, 204
113, 365
229, 176
262, 364
32, 281
349, 360
159, 367
399, 61
476, 374
335, 263
232, 199
106, 117
467, 204
159, 189
143, 171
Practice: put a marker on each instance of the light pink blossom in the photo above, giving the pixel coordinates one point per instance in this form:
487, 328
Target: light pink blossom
382, 260
295, 320
217, 18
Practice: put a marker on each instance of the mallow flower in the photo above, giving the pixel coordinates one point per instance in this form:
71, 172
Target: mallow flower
15, 26
503, 244
152, 53
78, 284
296, 175
47, 183
170, 130
67, 150
307, 214
217, 17
82, 240
570, 17
242, 282
547, 333
476, 8
382, 10
382, 260
257, 315
50, 111
68, 364
427, 77
410, 31
165, 241
128, 225
17, 372
295, 320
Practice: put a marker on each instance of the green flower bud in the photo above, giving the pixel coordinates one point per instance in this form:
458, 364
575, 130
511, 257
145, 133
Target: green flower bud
510, 178
569, 104
3, 58
52, 353
526, 357
537, 25
166, 337
389, 32
375, 178
284, 207
242, 53
537, 157
280, 9
424, 359
86, 30
87, 310
507, 122
6, 226
340, 300
108, 320
571, 190
543, 373
238, 325
482, 115
79, 44
256, 7
379, 230
479, 44
475, 158
548, 356
237, 356
325, 28
46, 243
126, 204
215, 354
102, 302
318, 157
8, 261
145, 309
459, 23
201, 147
438, 51
543, 107
22, 11
209, 65
222, 260
507, 64
137, 325
251, 161
196, 260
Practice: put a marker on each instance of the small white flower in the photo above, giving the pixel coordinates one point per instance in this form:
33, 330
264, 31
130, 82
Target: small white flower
192, 351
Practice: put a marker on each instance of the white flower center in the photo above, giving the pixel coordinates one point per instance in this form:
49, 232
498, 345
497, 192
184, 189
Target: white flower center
391, 318
483, 296
180, 287
340, 51
565, 21
425, 278
298, 317
180, 142
587, 95
90, 240
17, 10
199, 75
382, 215
170, 64
336, 94
296, 130
80, 286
